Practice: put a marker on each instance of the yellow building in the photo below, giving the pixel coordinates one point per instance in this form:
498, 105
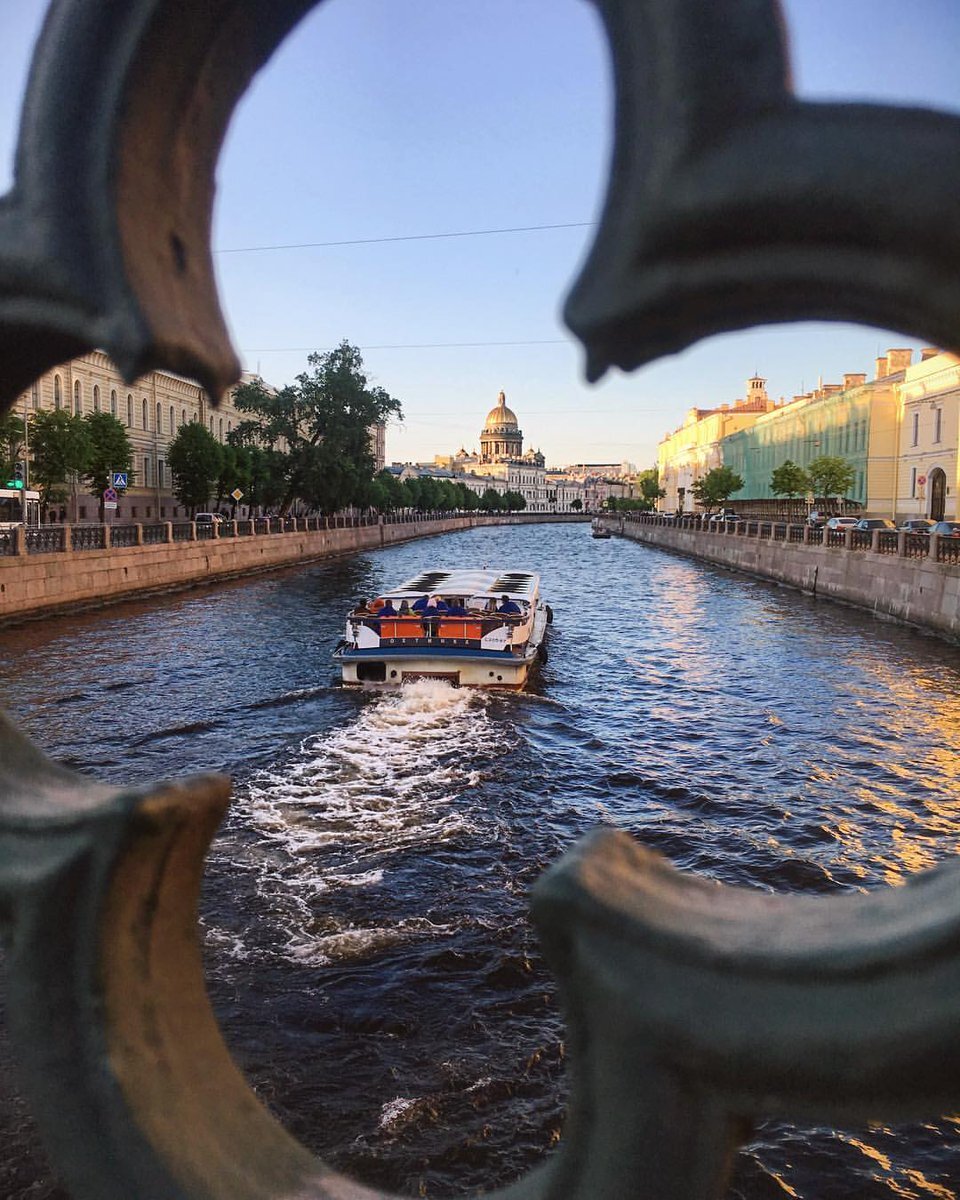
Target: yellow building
928, 473
688, 453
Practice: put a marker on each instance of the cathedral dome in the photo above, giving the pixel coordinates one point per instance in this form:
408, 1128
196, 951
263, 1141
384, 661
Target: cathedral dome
501, 415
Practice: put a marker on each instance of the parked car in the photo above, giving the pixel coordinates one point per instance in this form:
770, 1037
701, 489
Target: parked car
871, 523
817, 518
946, 529
916, 525
842, 523
206, 518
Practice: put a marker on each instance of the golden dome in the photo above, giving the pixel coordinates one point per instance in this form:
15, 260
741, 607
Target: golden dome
501, 415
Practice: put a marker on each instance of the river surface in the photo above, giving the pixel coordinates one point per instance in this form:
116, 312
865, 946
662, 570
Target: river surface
364, 915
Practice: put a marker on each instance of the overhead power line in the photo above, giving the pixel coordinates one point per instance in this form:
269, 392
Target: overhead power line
407, 237
410, 346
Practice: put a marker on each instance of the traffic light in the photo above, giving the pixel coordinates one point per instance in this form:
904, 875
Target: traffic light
17, 480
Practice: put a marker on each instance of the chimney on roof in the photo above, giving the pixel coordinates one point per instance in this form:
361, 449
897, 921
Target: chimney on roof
881, 367
928, 352
898, 360
853, 381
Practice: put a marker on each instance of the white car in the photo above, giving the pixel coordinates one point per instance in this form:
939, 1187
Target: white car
842, 523
208, 519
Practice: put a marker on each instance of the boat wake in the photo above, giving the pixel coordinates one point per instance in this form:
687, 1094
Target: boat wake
335, 815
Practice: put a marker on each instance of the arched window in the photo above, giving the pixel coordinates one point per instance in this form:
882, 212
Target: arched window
77, 398
221, 429
146, 419
159, 418
129, 411
113, 402
173, 422
57, 392
229, 428
211, 426
96, 398
183, 416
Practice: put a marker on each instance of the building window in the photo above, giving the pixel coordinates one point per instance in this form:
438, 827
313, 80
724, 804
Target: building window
146, 471
129, 411
221, 429
211, 426
937, 424
77, 398
35, 397
183, 416
113, 403
916, 428
173, 420
159, 418
160, 472
146, 419
913, 481
96, 398
57, 392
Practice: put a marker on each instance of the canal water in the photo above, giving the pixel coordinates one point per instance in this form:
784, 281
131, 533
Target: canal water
364, 914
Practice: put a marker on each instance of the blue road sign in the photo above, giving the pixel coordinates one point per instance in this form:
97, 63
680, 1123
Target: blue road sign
119, 479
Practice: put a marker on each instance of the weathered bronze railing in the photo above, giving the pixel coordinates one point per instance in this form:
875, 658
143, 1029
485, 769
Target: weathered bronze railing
693, 1008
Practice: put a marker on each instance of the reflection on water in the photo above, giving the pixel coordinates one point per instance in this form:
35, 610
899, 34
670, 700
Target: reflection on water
364, 915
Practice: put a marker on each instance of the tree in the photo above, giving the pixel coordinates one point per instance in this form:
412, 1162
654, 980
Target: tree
576, 504
789, 480
650, 489
324, 420
491, 500
110, 450
514, 501
717, 486
60, 450
196, 461
830, 476
11, 444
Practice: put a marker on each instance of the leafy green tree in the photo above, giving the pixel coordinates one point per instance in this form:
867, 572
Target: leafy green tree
491, 501
789, 480
196, 462
110, 450
717, 486
576, 504
324, 421
830, 476
412, 492
650, 489
469, 501
60, 450
514, 501
11, 444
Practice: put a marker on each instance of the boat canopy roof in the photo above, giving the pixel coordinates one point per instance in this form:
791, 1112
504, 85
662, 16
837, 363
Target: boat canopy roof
518, 585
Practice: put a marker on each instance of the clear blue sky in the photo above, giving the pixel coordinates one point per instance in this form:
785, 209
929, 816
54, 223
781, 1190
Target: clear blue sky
391, 118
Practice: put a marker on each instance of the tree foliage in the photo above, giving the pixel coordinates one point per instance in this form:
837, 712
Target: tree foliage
11, 443
60, 450
514, 501
650, 489
196, 462
830, 476
717, 486
109, 450
789, 480
323, 424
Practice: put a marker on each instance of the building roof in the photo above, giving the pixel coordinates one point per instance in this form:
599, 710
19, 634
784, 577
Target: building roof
501, 415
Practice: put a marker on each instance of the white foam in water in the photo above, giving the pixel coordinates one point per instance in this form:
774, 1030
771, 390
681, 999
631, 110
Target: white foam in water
387, 781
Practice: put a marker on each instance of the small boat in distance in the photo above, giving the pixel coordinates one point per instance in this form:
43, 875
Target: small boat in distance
598, 529
469, 628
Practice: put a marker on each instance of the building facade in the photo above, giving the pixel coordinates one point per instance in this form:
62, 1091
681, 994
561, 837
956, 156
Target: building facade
928, 473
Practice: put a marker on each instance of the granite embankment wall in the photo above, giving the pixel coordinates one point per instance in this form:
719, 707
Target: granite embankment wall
917, 591
34, 585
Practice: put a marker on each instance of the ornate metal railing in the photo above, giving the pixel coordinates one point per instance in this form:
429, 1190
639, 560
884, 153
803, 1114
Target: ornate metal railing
87, 537
48, 539
153, 535
124, 535
694, 1009
182, 531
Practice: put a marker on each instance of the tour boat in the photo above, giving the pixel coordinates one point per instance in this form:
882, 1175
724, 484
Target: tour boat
598, 529
470, 628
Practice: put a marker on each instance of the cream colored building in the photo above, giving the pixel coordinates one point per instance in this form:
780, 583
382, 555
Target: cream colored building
151, 410
928, 470
688, 453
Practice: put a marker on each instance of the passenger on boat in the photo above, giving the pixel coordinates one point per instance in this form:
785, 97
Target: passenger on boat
508, 606
420, 603
404, 608
455, 608
362, 609
436, 604
387, 609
